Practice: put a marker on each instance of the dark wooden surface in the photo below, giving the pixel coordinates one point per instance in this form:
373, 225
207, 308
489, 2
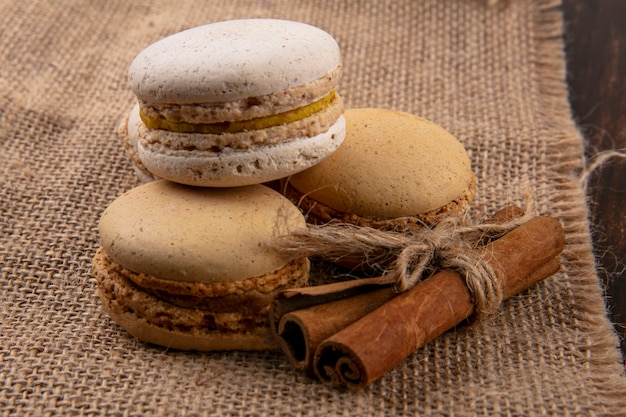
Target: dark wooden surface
595, 39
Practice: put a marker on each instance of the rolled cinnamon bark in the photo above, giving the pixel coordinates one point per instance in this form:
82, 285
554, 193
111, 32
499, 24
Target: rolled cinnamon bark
302, 318
370, 347
301, 331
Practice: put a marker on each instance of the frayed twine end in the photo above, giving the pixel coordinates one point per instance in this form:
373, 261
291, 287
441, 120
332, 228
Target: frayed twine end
600, 160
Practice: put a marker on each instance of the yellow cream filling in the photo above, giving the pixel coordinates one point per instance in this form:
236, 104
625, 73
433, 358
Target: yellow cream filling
242, 125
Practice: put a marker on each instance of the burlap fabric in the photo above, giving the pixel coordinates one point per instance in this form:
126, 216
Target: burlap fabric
490, 72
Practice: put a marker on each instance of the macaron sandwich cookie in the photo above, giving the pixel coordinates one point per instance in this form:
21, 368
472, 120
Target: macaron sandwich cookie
394, 171
190, 267
235, 103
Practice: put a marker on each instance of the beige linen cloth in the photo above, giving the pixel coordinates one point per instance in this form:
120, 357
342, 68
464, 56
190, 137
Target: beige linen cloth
490, 72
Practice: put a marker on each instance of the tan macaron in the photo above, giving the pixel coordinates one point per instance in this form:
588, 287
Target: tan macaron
394, 170
190, 268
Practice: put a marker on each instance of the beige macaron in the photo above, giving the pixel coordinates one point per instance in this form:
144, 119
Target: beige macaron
191, 267
235, 103
394, 170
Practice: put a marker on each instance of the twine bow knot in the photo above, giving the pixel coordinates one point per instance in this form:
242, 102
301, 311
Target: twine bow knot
453, 243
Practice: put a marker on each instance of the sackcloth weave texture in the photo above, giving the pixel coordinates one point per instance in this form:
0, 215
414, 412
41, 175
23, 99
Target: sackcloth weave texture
492, 73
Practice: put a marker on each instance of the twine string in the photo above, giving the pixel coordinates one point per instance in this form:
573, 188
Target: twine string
453, 243
454, 246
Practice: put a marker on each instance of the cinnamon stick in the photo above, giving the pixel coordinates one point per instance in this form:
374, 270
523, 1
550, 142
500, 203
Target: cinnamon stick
301, 331
300, 298
368, 348
301, 318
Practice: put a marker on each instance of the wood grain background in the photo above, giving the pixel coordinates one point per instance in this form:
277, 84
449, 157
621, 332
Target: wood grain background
596, 62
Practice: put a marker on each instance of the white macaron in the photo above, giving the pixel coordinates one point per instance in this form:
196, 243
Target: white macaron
236, 102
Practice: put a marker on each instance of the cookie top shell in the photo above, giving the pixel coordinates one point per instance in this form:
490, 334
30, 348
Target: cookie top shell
391, 164
232, 60
193, 234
